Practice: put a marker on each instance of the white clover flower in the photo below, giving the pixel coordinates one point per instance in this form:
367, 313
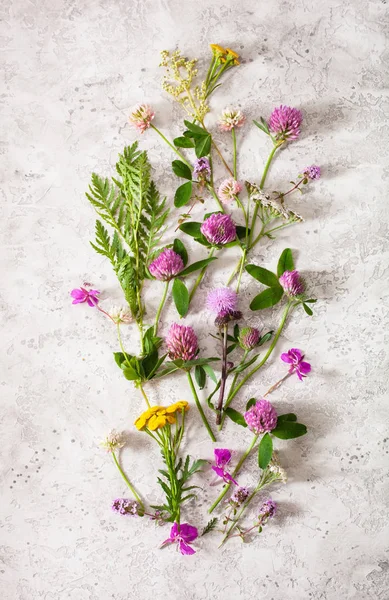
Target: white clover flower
113, 441
119, 314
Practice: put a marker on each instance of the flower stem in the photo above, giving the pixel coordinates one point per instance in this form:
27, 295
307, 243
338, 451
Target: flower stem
240, 513
144, 395
276, 385
121, 343
171, 145
236, 471
200, 277
234, 147
211, 189
228, 401
223, 378
200, 408
122, 473
160, 307
242, 263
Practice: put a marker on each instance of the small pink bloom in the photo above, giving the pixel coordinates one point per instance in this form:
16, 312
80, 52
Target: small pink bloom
294, 357
313, 172
181, 342
222, 301
261, 417
228, 189
182, 535
167, 265
230, 119
285, 122
222, 459
81, 295
141, 117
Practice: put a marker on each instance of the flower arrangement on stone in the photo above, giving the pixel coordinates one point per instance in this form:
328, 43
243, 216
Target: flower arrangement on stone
133, 232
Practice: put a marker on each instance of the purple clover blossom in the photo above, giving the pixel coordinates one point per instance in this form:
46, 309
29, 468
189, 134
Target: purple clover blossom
222, 459
222, 301
249, 337
219, 229
292, 283
313, 172
167, 265
181, 342
182, 535
261, 417
267, 511
285, 122
202, 168
239, 496
124, 506
294, 357
82, 295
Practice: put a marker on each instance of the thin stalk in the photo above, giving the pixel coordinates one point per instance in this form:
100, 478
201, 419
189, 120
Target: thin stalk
200, 277
234, 150
276, 385
171, 146
236, 471
228, 401
211, 189
121, 343
240, 513
129, 484
200, 408
223, 378
242, 263
144, 395
160, 307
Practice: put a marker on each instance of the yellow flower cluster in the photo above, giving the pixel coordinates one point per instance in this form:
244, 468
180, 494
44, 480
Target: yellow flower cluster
225, 54
157, 416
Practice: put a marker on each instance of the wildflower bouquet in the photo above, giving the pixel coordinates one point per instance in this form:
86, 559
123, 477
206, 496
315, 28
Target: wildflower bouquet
132, 232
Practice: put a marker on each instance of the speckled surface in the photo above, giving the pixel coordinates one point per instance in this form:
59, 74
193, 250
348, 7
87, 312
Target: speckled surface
72, 70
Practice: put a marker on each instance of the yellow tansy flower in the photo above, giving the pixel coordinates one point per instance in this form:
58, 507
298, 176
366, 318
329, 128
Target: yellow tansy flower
216, 49
234, 55
157, 416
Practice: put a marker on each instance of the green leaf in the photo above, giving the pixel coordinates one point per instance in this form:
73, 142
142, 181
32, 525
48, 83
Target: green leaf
180, 249
235, 416
203, 146
241, 231
130, 373
263, 275
265, 451
200, 376
200, 264
210, 372
210, 526
192, 229
250, 403
267, 298
181, 169
285, 262
195, 128
307, 309
287, 430
286, 417
181, 297
183, 194
265, 338
119, 358
183, 142
236, 331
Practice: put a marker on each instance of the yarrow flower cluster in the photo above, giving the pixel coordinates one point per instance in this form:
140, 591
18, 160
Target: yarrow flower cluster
261, 417
229, 189
295, 358
292, 283
249, 337
126, 507
285, 122
219, 229
230, 119
141, 116
181, 342
167, 265
313, 172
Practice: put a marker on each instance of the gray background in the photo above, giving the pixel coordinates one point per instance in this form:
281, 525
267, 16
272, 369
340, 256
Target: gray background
72, 71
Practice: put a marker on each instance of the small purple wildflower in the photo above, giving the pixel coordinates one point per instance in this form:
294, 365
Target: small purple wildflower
82, 295
292, 283
222, 301
285, 122
294, 357
249, 337
313, 172
182, 342
167, 265
219, 229
182, 535
202, 168
239, 496
267, 511
222, 459
261, 417
124, 506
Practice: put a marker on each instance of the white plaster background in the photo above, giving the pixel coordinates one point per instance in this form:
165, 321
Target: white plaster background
72, 70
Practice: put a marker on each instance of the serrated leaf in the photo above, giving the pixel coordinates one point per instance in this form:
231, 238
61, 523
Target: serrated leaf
181, 169
183, 194
265, 451
287, 430
181, 297
180, 249
196, 266
263, 275
235, 416
285, 262
267, 298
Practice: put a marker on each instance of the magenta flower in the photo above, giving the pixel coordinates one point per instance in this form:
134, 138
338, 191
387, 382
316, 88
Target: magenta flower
202, 168
249, 337
228, 189
167, 265
219, 229
292, 283
261, 417
124, 506
230, 119
141, 117
222, 301
313, 172
294, 357
285, 122
181, 342
182, 535
82, 295
222, 459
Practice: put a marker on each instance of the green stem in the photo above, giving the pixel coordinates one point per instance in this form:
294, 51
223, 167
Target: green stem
234, 146
144, 395
160, 307
200, 277
122, 473
236, 471
242, 263
240, 513
200, 408
211, 189
121, 343
229, 400
171, 145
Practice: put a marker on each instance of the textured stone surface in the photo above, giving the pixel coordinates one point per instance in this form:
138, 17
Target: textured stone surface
72, 70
